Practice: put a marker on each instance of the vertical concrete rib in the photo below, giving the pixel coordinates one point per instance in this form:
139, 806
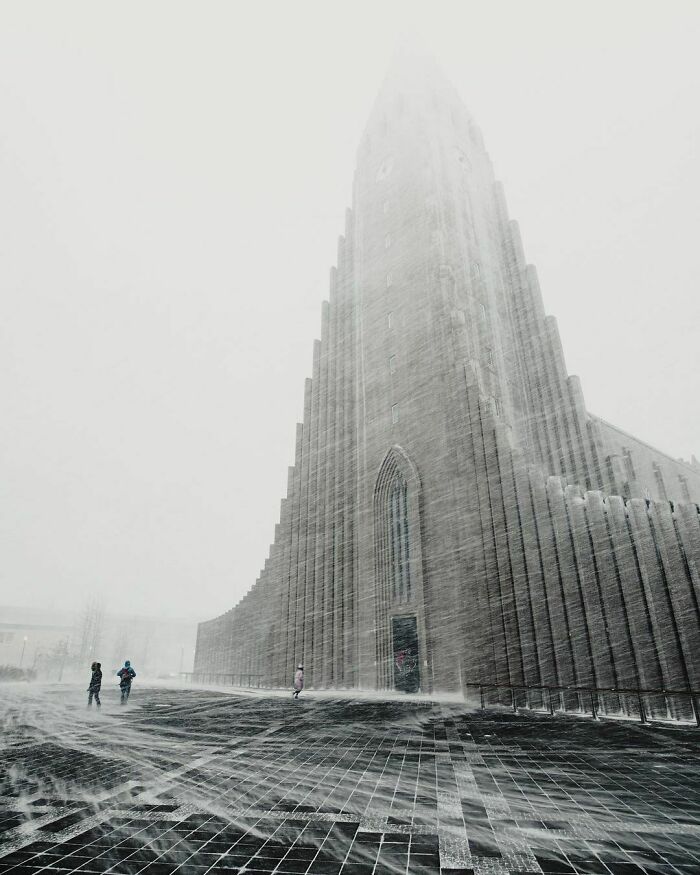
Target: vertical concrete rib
636, 608
540, 607
590, 588
543, 401
504, 579
294, 652
286, 580
610, 587
328, 565
309, 615
686, 518
336, 520
527, 662
495, 643
304, 521
680, 588
341, 449
657, 597
526, 572
571, 590
318, 663
561, 410
349, 654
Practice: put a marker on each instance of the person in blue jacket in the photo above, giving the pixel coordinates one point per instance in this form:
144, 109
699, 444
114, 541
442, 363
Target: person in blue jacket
126, 676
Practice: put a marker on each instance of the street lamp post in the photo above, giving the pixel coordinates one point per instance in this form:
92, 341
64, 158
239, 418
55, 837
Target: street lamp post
24, 644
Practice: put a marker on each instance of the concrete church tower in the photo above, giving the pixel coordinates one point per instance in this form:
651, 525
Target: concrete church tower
454, 514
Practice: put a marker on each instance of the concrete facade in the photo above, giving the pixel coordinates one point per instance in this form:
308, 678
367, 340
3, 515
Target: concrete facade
454, 514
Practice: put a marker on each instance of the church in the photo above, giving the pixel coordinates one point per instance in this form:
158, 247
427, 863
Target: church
454, 514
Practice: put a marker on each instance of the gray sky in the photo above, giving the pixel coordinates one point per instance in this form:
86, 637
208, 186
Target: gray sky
173, 179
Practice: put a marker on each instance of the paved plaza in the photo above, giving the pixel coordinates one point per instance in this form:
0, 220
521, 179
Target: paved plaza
199, 781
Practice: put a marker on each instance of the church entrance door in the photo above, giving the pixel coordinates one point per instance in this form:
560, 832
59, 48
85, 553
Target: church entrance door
405, 646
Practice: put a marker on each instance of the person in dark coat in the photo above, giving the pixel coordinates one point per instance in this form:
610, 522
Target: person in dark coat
298, 681
125, 675
95, 684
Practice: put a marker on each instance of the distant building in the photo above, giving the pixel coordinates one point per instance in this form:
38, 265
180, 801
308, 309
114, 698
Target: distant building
28, 634
59, 644
454, 513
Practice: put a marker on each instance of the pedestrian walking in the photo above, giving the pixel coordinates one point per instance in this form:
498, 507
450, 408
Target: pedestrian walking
298, 681
126, 676
95, 684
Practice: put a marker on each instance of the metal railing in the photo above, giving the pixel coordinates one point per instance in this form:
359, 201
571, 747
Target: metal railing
650, 705
224, 679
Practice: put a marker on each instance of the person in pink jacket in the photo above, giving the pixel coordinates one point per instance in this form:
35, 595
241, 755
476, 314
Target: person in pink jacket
298, 681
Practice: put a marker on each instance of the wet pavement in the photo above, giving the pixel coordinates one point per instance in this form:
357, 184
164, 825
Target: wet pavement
196, 781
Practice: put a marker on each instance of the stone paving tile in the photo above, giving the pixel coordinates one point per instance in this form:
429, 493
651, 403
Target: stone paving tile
190, 782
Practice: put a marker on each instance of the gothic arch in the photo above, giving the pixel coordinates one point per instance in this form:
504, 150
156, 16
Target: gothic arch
398, 562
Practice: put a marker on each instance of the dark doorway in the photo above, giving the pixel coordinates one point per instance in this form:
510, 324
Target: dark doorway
406, 664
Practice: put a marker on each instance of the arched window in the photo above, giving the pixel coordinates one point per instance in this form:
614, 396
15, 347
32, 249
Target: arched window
399, 559
394, 530
398, 564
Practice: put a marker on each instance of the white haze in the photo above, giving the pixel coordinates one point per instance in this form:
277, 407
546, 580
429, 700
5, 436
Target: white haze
173, 179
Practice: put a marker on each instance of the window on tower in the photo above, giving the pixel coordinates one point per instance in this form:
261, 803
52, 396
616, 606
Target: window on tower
660, 485
462, 158
684, 488
394, 413
399, 541
389, 280
392, 364
385, 168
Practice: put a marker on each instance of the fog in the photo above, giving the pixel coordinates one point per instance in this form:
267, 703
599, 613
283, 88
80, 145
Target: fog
173, 180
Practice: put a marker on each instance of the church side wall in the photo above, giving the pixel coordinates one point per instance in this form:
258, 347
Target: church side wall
585, 588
